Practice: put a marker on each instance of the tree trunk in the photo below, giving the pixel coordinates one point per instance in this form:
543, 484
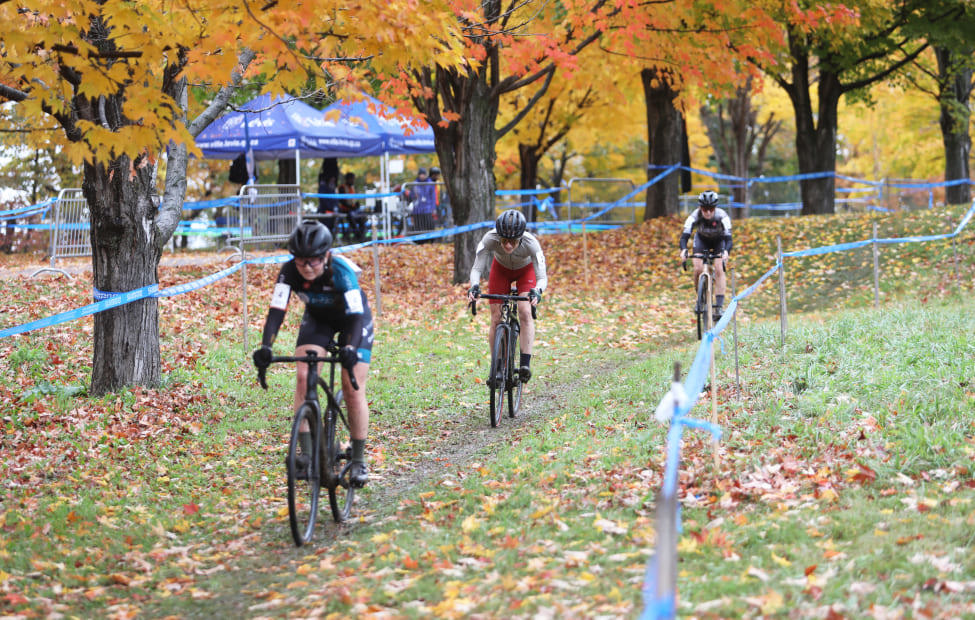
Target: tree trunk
816, 144
528, 158
125, 256
956, 87
466, 150
664, 142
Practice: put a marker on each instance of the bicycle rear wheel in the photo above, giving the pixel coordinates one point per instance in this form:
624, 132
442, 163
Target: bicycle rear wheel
514, 383
304, 483
337, 460
499, 372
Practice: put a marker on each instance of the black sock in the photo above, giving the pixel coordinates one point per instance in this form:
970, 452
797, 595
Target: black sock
358, 450
719, 300
526, 359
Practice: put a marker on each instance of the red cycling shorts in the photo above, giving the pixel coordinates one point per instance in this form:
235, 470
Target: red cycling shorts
501, 278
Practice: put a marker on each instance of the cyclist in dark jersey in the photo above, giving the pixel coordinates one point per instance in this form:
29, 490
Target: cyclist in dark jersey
515, 258
713, 233
334, 303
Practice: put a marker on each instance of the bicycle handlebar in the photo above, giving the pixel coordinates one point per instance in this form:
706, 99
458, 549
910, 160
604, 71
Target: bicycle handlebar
709, 257
306, 359
473, 304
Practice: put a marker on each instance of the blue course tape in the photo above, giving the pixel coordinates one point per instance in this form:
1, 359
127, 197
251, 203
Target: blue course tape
355, 196
209, 204
20, 211
529, 192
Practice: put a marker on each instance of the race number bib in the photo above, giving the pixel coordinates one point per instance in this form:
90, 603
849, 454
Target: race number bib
279, 299
353, 300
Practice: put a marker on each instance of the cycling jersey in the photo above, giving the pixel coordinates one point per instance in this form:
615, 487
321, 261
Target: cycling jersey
528, 251
334, 299
714, 232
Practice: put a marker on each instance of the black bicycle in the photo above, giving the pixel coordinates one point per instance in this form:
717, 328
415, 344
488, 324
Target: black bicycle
704, 300
504, 376
324, 462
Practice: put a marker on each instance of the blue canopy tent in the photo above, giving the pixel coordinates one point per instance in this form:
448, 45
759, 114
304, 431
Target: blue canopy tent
285, 127
400, 136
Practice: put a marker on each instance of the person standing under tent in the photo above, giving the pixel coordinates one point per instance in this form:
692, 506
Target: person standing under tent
327, 207
426, 202
350, 207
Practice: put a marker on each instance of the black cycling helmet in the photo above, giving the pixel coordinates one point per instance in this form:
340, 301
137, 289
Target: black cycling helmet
434, 170
309, 239
708, 200
510, 224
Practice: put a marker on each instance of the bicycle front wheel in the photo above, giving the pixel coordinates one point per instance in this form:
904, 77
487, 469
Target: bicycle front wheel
304, 483
703, 301
499, 372
337, 457
514, 384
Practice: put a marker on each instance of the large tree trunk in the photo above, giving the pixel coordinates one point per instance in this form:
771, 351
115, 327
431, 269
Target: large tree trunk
125, 256
664, 142
816, 143
528, 158
466, 150
956, 89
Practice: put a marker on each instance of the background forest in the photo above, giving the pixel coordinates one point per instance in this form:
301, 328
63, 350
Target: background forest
608, 142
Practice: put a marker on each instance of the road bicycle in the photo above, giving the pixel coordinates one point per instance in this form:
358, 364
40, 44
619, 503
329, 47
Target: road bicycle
704, 299
328, 463
504, 376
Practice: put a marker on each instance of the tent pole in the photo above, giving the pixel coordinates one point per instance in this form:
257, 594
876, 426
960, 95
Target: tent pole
298, 170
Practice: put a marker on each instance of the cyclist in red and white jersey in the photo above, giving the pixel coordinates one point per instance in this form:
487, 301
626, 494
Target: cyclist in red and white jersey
515, 258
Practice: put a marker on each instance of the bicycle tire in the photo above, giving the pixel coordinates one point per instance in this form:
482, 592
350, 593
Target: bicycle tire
499, 372
341, 493
701, 309
303, 494
514, 385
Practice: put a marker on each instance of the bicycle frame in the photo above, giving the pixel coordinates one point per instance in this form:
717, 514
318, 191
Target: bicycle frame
704, 291
324, 467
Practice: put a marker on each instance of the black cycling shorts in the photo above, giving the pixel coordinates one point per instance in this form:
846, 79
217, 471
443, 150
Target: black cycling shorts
701, 244
320, 333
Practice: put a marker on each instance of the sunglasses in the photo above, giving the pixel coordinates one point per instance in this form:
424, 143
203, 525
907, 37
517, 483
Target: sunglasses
512, 241
313, 261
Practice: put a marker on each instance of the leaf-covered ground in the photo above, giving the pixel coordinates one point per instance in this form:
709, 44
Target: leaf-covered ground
171, 500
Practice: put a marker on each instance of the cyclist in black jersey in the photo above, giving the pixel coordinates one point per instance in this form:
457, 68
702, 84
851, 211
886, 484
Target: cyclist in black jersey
334, 304
713, 233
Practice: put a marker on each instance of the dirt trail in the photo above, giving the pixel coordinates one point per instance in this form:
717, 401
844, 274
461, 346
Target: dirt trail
234, 592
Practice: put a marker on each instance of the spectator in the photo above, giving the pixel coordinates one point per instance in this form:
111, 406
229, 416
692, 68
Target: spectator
350, 207
426, 202
327, 207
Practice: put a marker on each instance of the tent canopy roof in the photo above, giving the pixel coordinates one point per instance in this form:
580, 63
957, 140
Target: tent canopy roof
279, 126
400, 136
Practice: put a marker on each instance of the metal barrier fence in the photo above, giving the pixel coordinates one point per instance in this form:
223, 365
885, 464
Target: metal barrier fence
266, 214
70, 226
413, 222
